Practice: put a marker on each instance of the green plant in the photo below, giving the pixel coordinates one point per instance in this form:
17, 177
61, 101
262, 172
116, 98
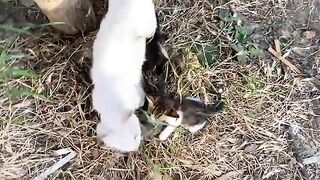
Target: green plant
9, 71
207, 54
244, 48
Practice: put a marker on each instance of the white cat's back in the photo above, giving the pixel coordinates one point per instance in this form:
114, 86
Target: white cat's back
118, 56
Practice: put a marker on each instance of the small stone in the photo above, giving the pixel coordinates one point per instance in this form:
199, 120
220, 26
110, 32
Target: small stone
250, 148
309, 34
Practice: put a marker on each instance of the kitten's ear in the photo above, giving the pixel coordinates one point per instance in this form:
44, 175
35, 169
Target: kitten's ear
150, 104
153, 99
171, 113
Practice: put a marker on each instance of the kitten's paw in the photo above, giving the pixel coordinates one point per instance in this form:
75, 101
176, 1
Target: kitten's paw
167, 132
163, 136
196, 128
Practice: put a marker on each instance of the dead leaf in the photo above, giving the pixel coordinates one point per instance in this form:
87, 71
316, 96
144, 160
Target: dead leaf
56, 166
95, 154
49, 79
310, 34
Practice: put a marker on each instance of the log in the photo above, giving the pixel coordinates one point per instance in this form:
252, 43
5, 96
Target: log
69, 16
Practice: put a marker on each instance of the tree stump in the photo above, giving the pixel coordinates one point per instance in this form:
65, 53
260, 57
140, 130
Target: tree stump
69, 16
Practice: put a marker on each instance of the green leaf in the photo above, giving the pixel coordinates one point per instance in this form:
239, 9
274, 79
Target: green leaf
8, 73
255, 51
4, 57
22, 73
9, 27
207, 54
242, 54
241, 34
237, 47
18, 92
225, 15
242, 58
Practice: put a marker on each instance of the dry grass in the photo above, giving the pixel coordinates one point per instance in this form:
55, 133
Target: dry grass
264, 131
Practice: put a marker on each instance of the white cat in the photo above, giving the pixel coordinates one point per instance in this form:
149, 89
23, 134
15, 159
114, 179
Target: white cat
118, 55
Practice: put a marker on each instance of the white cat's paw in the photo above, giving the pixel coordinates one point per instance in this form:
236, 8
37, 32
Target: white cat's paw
123, 137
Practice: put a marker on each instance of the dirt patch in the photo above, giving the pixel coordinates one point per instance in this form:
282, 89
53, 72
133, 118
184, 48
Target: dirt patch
17, 16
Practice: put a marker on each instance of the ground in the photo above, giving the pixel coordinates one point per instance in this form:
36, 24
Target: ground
269, 128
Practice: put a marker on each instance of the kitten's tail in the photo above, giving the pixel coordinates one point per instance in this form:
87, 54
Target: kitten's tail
216, 106
200, 107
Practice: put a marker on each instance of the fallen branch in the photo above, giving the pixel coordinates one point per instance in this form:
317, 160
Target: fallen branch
59, 164
278, 54
312, 160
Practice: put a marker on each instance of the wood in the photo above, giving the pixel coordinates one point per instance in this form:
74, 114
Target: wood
278, 54
69, 16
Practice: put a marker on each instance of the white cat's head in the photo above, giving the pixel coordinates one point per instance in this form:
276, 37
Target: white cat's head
123, 136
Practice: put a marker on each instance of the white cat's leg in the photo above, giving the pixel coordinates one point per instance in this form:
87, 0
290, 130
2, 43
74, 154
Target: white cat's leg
141, 95
101, 130
126, 137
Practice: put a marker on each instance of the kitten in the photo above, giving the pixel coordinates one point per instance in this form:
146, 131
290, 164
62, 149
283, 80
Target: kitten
119, 51
191, 113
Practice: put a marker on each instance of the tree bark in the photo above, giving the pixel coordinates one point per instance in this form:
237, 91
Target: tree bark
71, 16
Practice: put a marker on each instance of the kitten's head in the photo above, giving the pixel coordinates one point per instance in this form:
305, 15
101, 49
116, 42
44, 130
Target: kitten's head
153, 83
162, 105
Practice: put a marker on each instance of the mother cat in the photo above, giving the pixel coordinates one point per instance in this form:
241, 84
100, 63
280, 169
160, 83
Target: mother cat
118, 55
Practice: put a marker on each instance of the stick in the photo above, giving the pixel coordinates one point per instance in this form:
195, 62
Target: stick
285, 61
57, 165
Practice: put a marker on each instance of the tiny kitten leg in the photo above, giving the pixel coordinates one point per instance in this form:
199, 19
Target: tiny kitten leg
195, 128
173, 123
166, 132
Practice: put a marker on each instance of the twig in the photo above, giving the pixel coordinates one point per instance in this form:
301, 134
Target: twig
57, 165
292, 138
312, 160
278, 54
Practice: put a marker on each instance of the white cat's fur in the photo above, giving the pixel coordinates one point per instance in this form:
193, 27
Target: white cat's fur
118, 55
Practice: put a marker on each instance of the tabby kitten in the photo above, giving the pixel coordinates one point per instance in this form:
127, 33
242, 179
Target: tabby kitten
190, 113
